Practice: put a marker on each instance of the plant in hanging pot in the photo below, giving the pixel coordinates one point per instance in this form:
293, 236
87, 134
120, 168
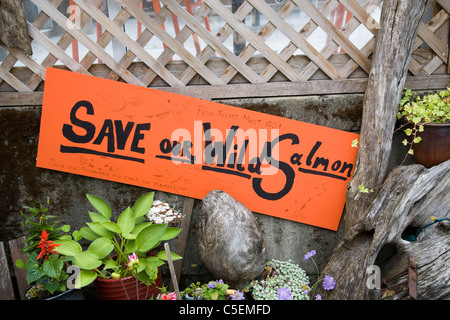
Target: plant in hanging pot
120, 257
46, 269
428, 126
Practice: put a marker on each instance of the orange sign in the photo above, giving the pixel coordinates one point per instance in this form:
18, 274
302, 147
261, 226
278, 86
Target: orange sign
169, 142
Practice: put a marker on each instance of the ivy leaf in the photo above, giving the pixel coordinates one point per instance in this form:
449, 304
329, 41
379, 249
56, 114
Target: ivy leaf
362, 189
411, 151
355, 143
417, 139
405, 142
408, 132
416, 120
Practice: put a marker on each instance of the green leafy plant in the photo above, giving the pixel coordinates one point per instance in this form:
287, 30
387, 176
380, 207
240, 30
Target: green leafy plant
35, 220
114, 244
417, 111
328, 281
431, 108
46, 269
193, 291
214, 290
281, 280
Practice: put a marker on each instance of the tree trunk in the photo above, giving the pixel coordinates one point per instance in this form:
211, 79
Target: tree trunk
399, 23
376, 220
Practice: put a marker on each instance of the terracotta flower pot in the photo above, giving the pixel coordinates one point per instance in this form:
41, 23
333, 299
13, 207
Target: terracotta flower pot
435, 145
125, 288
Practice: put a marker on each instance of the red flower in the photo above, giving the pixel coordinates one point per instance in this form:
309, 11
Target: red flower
46, 246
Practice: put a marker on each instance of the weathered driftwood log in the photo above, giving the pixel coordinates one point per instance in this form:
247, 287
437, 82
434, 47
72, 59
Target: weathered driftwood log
13, 26
405, 204
409, 196
399, 23
231, 244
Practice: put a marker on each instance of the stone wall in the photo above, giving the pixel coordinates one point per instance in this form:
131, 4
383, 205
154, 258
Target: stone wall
22, 182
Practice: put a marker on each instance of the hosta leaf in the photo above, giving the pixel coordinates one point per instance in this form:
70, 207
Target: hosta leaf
111, 264
88, 234
163, 256
101, 247
155, 261
126, 221
111, 226
143, 204
98, 228
87, 260
101, 205
95, 217
84, 278
140, 227
68, 247
170, 233
148, 238
130, 247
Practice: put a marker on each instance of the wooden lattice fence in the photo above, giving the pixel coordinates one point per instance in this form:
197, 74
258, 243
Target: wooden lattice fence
216, 71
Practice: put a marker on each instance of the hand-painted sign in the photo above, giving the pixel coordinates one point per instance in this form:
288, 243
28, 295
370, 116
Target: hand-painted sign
169, 142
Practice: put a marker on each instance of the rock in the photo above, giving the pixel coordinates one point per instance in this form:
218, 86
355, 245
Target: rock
13, 26
231, 245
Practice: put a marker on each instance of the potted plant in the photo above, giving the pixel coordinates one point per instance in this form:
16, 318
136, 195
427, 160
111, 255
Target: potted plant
428, 118
281, 280
214, 290
193, 292
285, 280
46, 269
120, 258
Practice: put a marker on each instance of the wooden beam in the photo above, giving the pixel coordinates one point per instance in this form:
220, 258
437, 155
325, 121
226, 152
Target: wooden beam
16, 248
272, 89
183, 236
6, 287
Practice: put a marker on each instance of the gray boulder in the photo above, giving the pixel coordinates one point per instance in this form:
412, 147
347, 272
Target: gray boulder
231, 244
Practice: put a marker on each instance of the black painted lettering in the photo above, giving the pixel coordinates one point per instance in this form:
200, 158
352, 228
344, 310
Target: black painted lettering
336, 165
165, 146
348, 167
122, 134
138, 136
295, 159
312, 152
284, 167
107, 131
321, 161
67, 129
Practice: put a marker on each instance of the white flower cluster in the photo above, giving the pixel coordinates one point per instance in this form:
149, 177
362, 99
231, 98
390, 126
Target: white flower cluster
283, 275
161, 212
